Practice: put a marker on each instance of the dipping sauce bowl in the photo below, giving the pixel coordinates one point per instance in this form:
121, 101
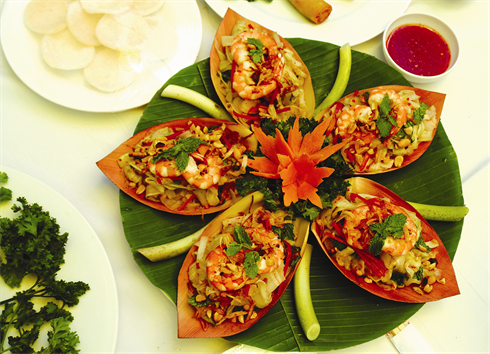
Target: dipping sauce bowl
420, 46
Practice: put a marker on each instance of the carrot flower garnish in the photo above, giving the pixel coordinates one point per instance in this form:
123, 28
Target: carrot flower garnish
295, 161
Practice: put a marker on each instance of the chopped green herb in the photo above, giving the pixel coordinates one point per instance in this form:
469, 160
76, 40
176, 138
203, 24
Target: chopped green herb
421, 243
180, 151
258, 52
398, 278
419, 274
284, 233
419, 114
193, 302
243, 241
385, 121
250, 264
391, 226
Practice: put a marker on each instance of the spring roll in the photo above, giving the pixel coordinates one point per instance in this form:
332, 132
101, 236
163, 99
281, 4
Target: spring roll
316, 11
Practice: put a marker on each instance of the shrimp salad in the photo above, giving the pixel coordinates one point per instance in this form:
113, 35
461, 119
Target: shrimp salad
259, 76
186, 168
380, 242
384, 126
236, 271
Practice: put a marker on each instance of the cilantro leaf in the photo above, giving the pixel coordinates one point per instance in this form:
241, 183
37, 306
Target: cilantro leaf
391, 226
233, 248
250, 264
419, 114
385, 121
241, 236
421, 243
258, 52
384, 107
284, 233
192, 300
180, 152
419, 274
243, 241
398, 278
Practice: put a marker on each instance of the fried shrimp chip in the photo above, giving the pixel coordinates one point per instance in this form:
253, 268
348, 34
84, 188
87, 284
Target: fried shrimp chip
106, 73
46, 17
106, 6
121, 32
82, 24
63, 51
146, 7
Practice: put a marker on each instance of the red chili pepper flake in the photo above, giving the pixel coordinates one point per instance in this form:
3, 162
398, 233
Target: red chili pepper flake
285, 109
364, 162
186, 202
338, 229
289, 256
246, 116
350, 156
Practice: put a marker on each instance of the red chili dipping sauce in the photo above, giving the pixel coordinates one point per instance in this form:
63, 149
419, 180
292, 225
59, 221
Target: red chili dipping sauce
419, 50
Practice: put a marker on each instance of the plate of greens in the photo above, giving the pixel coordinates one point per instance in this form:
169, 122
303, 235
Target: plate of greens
43, 213
348, 315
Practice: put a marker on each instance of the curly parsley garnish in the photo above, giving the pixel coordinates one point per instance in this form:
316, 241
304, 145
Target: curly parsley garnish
5, 193
33, 244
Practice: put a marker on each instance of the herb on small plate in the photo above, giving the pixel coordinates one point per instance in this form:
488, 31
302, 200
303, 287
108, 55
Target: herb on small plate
5, 193
33, 244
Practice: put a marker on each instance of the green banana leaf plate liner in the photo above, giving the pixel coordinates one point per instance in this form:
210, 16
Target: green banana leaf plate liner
348, 315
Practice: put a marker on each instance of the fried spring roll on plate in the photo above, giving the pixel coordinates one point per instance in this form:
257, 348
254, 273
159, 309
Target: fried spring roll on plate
316, 11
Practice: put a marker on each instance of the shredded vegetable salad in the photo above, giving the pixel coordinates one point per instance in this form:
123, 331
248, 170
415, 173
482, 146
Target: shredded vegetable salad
385, 127
236, 270
187, 168
259, 76
380, 242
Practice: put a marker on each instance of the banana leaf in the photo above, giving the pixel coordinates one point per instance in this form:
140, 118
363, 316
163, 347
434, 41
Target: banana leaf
348, 315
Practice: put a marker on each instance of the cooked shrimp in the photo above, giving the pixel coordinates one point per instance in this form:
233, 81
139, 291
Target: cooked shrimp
254, 79
164, 168
198, 177
350, 116
399, 107
357, 233
222, 272
272, 248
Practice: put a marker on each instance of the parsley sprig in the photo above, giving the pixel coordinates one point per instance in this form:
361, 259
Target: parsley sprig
5, 193
180, 152
391, 226
33, 244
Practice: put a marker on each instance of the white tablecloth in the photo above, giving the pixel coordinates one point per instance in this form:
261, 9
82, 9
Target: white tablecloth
60, 146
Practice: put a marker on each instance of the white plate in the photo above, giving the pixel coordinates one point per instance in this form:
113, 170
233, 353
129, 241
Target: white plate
351, 21
68, 87
96, 316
